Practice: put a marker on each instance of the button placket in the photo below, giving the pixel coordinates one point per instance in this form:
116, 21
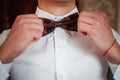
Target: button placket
58, 53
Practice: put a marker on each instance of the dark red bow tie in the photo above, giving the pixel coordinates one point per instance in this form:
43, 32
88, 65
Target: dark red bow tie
68, 23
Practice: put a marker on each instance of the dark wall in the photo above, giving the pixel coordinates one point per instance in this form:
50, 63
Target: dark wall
4, 23
9, 9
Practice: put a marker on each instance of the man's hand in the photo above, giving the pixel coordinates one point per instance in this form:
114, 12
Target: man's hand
97, 27
26, 29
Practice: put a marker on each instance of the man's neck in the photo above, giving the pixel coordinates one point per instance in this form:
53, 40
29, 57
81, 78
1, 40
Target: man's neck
57, 7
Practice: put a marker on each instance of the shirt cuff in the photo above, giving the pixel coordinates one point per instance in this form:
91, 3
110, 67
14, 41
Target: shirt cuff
117, 73
113, 67
4, 71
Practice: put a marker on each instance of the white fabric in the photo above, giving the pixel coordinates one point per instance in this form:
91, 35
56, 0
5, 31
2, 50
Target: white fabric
60, 55
3, 72
117, 74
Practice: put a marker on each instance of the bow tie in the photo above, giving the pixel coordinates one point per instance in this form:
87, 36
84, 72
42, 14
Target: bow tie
68, 23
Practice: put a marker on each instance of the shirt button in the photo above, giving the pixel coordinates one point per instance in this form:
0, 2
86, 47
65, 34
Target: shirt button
58, 18
55, 18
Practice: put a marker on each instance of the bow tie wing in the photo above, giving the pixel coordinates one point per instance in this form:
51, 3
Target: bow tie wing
48, 26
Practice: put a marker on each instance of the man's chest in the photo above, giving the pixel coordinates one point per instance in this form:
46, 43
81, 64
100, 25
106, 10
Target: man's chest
61, 56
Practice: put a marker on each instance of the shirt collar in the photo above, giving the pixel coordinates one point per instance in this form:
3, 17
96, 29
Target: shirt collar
44, 14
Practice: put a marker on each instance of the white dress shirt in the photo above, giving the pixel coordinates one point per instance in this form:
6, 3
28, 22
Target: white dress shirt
60, 55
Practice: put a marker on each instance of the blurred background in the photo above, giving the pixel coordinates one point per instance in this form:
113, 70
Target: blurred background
9, 9
118, 16
110, 7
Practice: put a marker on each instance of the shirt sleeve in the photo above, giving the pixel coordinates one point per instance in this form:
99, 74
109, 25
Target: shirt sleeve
115, 68
4, 71
4, 68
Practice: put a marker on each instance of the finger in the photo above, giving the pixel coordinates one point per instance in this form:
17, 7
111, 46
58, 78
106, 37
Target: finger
91, 14
31, 26
35, 35
28, 15
87, 20
34, 26
26, 23
84, 28
29, 20
98, 15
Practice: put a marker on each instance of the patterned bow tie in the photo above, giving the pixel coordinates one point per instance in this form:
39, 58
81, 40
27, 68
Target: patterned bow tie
68, 23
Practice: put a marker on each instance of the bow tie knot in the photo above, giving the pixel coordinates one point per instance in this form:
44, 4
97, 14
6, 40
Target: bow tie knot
53, 24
